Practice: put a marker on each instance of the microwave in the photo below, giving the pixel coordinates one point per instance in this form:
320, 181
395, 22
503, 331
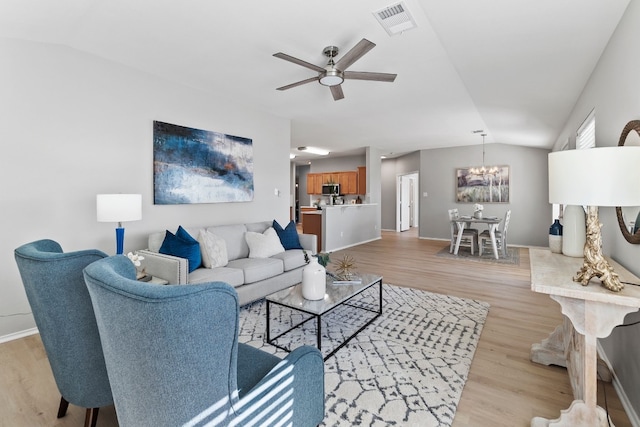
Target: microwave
330, 189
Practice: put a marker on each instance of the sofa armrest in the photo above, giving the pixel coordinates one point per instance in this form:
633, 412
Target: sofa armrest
173, 269
293, 389
309, 242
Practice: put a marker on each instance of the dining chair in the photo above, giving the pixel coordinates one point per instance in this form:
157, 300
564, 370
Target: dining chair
469, 235
501, 237
59, 300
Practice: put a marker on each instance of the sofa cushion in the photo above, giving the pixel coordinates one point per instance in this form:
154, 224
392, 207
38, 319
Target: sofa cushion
213, 249
291, 259
263, 245
195, 260
180, 246
258, 227
256, 269
232, 276
233, 236
288, 235
155, 241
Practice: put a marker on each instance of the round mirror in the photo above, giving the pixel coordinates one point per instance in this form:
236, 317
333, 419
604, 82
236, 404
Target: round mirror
629, 217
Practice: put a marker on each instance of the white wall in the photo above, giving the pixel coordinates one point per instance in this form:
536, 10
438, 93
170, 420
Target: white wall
613, 91
337, 164
74, 125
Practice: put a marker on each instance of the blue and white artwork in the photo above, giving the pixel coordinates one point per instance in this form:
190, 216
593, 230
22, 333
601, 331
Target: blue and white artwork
199, 166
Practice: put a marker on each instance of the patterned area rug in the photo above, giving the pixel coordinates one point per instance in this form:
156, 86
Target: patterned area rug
464, 253
407, 368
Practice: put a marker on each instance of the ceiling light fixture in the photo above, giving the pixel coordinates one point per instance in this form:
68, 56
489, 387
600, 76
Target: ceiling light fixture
314, 150
292, 156
493, 170
332, 77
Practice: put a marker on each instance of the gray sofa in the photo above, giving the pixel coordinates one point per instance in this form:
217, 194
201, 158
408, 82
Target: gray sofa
252, 278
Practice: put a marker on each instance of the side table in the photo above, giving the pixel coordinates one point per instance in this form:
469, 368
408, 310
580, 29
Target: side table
591, 312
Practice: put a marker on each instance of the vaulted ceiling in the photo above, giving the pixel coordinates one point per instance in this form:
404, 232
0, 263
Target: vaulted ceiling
512, 68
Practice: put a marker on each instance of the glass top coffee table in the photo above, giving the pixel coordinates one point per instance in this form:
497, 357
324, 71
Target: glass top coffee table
336, 295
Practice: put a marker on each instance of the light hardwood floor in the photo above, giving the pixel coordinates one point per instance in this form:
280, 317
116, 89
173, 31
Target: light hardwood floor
504, 388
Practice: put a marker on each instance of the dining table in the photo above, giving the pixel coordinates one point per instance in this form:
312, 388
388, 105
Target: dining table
491, 222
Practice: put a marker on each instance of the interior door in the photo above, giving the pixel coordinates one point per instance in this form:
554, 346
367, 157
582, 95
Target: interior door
405, 203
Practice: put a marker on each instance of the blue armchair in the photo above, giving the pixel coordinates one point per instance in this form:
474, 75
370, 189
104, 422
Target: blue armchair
63, 312
173, 357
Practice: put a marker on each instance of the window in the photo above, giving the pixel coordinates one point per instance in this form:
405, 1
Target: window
586, 135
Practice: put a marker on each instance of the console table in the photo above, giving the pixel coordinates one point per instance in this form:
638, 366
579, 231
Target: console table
591, 312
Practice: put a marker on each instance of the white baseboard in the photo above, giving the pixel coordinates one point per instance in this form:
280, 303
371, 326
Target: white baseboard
18, 335
622, 395
352, 245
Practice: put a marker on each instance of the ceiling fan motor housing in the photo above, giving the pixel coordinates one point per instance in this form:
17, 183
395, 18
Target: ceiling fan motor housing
331, 51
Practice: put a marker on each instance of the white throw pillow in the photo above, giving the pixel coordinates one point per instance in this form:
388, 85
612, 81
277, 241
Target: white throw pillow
213, 249
263, 245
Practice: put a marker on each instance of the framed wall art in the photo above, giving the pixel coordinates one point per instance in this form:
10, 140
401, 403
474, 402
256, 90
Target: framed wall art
482, 185
200, 166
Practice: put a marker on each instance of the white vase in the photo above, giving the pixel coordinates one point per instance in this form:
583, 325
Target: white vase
574, 231
555, 244
314, 280
477, 214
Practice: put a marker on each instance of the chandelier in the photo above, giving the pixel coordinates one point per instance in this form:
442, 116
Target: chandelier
484, 171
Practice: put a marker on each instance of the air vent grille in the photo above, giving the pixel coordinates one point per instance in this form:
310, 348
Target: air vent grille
395, 18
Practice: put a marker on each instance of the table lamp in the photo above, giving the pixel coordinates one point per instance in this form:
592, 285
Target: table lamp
119, 208
594, 177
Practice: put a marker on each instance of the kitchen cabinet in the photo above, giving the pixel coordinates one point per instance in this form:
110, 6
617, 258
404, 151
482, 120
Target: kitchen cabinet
312, 224
329, 178
314, 183
362, 180
350, 182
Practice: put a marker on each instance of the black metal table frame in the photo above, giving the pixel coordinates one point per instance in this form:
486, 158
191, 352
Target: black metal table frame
318, 317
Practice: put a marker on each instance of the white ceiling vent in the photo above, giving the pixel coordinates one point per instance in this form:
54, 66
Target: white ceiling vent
395, 18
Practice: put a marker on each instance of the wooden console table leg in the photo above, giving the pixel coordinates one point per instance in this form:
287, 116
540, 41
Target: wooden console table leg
551, 350
589, 320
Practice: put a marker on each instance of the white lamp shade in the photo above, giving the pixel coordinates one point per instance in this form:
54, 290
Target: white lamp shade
119, 207
607, 176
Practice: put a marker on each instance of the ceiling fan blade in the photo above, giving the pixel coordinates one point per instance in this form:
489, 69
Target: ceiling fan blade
364, 75
298, 61
301, 82
354, 54
336, 91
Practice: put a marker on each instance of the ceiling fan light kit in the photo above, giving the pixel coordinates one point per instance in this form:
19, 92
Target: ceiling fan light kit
334, 73
331, 78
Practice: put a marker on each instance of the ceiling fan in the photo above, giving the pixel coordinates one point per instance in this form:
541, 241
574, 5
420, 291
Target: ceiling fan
334, 73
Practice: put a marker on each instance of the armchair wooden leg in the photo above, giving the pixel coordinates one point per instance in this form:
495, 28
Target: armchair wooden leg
91, 418
62, 409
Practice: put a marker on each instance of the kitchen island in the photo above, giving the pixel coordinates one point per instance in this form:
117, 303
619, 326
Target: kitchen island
342, 226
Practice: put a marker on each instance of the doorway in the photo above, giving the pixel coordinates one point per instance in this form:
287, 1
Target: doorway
407, 206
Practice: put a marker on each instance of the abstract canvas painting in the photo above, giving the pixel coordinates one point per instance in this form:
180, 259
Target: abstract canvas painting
483, 185
200, 166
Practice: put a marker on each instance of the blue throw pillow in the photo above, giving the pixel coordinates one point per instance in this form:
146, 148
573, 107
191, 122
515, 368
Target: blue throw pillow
182, 245
288, 236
